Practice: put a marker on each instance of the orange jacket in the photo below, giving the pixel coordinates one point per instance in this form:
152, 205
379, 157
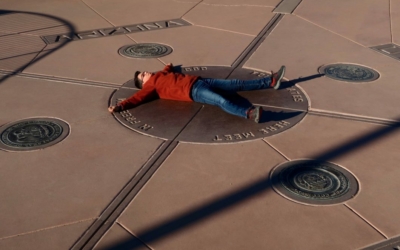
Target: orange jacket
164, 84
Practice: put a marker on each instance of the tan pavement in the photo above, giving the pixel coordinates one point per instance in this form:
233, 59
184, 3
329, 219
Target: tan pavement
117, 185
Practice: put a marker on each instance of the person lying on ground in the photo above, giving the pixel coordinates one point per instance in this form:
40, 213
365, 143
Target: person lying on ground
167, 84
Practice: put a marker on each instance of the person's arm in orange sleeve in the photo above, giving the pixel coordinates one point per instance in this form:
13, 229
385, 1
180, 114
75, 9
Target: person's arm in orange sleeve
146, 94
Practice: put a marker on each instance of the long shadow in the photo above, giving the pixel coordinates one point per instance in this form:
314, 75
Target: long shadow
213, 208
7, 73
291, 83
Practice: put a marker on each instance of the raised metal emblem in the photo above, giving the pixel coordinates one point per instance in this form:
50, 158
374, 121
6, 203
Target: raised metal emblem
145, 50
32, 134
349, 72
314, 182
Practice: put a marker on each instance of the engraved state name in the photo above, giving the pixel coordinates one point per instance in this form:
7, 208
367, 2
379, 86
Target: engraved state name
245, 135
133, 28
131, 119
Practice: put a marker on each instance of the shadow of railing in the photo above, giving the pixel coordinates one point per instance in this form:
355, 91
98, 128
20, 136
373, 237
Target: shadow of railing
18, 41
183, 221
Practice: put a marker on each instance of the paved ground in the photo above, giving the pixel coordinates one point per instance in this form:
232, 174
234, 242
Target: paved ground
115, 184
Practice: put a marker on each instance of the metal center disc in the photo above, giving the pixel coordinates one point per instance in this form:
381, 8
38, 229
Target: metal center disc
195, 122
349, 72
145, 50
32, 134
314, 182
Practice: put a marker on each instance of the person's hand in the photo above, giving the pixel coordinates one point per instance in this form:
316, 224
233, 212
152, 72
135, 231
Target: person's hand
169, 64
114, 109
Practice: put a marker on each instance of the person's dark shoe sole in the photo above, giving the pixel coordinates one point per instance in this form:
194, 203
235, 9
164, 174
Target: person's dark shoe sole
280, 75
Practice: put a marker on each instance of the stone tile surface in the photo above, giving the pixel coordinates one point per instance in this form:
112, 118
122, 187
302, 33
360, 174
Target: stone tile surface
17, 51
290, 44
218, 197
247, 19
257, 3
122, 12
74, 12
76, 178
364, 21
395, 18
369, 151
93, 59
115, 236
61, 237
197, 46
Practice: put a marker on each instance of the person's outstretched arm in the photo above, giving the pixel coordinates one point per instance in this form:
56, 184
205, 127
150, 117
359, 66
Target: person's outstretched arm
146, 94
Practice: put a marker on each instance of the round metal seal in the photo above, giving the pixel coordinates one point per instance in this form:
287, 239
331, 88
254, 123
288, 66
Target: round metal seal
145, 50
32, 134
314, 182
349, 72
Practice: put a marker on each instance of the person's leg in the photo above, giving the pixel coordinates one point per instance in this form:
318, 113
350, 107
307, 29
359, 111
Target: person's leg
202, 92
238, 85
272, 81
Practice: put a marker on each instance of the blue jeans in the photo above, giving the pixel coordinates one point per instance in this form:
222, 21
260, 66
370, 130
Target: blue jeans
208, 90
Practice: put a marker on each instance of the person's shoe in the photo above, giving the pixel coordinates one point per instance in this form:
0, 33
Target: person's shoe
277, 77
255, 114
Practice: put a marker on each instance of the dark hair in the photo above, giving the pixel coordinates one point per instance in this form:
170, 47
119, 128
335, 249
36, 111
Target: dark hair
138, 82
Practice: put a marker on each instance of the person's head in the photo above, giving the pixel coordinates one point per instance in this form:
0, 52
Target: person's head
141, 78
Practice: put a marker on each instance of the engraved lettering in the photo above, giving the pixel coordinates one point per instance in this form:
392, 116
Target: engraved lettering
271, 128
216, 138
298, 98
263, 131
237, 136
248, 134
145, 127
284, 123
90, 34
152, 26
60, 38
135, 28
228, 137
173, 23
195, 68
113, 31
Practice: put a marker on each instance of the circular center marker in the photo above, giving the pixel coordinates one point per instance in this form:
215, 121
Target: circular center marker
32, 134
202, 123
349, 72
145, 50
314, 182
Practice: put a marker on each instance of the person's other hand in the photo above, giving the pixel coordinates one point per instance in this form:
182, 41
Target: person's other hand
114, 109
111, 109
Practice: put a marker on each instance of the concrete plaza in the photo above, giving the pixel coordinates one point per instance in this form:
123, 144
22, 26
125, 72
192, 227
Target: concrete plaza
198, 178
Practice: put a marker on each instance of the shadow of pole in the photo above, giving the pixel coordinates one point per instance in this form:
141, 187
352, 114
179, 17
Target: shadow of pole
40, 54
178, 223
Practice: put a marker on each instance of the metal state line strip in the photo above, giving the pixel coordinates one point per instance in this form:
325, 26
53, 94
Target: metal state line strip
287, 6
245, 55
59, 79
355, 118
